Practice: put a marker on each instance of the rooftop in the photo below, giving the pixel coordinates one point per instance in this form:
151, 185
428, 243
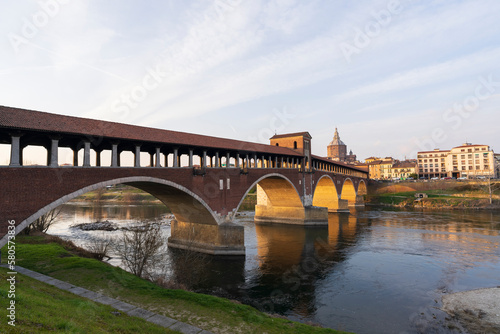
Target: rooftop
23, 119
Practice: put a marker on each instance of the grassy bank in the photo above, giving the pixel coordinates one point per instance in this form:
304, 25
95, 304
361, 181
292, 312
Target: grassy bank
459, 197
43, 308
65, 262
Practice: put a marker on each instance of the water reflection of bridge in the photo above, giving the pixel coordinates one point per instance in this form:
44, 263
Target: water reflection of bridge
291, 260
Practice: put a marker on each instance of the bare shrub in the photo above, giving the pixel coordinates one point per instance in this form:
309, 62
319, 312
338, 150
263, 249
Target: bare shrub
100, 248
139, 247
43, 223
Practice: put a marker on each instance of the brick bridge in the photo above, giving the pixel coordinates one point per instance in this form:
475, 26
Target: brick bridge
202, 179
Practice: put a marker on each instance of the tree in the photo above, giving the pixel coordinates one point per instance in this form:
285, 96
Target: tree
43, 223
139, 248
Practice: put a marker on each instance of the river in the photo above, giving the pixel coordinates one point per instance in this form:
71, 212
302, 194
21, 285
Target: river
371, 271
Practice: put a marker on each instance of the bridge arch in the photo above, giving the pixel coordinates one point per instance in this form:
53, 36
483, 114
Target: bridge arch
184, 204
277, 190
349, 191
325, 193
362, 189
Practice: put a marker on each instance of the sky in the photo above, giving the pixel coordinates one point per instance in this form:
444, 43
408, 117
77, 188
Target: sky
395, 77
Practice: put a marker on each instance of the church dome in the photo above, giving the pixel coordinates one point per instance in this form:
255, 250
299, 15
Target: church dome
336, 139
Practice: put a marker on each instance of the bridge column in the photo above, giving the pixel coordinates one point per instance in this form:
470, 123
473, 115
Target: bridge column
191, 158
176, 157
98, 157
15, 150
52, 154
86, 154
263, 162
75, 156
137, 156
285, 207
204, 160
114, 155
222, 239
237, 160
165, 154
228, 160
216, 159
157, 157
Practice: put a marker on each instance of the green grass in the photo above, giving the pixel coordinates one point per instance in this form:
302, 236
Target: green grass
43, 308
215, 314
436, 198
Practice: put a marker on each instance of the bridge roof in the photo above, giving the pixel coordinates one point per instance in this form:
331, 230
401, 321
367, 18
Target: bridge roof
23, 119
339, 163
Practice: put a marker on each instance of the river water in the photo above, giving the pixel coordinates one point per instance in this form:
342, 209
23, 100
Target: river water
371, 271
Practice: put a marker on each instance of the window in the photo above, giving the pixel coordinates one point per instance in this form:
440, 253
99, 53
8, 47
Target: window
277, 144
294, 145
462, 156
469, 150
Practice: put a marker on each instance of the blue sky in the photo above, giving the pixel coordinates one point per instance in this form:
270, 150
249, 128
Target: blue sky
395, 77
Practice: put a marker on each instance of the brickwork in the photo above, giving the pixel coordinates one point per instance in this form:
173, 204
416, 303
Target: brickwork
27, 190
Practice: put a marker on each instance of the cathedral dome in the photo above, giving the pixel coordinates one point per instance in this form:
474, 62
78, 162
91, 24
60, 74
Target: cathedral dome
336, 139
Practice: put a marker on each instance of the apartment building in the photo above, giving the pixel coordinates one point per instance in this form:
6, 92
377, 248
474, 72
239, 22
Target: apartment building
432, 163
404, 169
467, 160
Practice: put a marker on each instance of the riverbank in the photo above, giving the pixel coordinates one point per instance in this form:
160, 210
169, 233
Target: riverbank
62, 260
436, 195
477, 310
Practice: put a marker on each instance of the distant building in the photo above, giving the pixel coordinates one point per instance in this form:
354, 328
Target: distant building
466, 160
380, 169
432, 163
404, 169
497, 165
337, 150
